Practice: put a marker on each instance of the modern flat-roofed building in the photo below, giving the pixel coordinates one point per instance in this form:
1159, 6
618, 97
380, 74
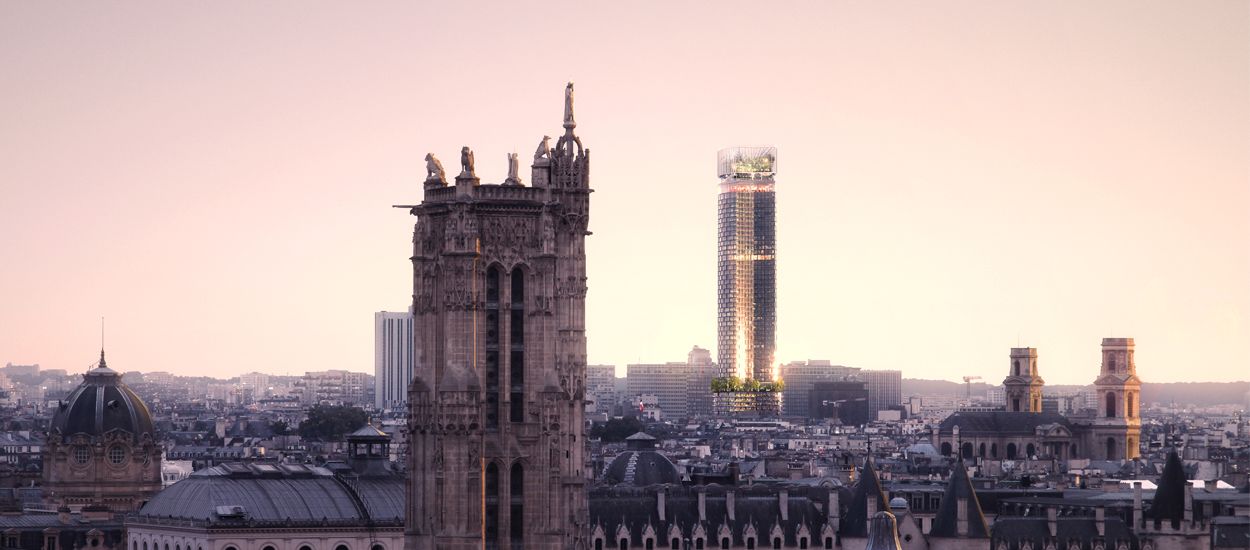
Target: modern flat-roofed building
885, 390
392, 358
800, 378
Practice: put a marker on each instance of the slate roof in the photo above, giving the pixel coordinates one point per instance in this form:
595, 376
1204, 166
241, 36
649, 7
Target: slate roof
1169, 499
1000, 422
757, 506
1014, 530
855, 520
280, 493
100, 404
640, 468
946, 522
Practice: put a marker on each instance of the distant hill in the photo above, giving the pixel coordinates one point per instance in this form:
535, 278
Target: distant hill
1197, 393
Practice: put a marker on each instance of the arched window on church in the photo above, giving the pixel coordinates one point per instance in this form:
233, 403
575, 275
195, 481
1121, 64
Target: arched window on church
516, 363
982, 451
1111, 448
1111, 362
1128, 404
516, 487
993, 450
675, 544
493, 276
946, 448
1015, 367
1011, 451
492, 506
1031, 451
967, 450
1110, 404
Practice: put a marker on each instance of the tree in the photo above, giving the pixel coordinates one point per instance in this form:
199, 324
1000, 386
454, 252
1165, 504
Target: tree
280, 427
331, 422
616, 430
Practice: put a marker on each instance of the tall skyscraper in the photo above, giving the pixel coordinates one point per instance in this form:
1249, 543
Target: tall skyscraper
885, 390
699, 383
496, 457
746, 286
392, 358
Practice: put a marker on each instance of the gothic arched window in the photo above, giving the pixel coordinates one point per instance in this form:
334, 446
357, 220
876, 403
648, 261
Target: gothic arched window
516, 486
492, 506
1015, 368
492, 346
516, 364
1110, 404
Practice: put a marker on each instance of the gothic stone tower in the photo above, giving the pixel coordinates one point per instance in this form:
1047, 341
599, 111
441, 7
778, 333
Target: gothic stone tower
1023, 386
1116, 429
497, 398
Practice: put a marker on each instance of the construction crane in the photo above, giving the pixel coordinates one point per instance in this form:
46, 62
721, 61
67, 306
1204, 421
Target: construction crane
968, 384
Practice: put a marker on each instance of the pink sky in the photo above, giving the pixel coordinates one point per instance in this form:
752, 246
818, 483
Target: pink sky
955, 178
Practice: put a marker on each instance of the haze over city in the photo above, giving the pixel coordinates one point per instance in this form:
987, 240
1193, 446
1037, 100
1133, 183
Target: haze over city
953, 179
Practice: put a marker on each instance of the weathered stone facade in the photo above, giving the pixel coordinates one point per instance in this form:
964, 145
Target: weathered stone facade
497, 399
1115, 433
101, 451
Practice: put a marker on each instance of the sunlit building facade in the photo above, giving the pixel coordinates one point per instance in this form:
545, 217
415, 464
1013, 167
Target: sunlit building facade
746, 263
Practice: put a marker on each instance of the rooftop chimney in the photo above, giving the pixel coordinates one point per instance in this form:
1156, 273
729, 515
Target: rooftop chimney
702, 504
659, 502
1137, 515
1189, 503
961, 517
834, 512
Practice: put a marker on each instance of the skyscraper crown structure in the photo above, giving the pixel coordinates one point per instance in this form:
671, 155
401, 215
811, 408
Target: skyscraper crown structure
746, 289
497, 399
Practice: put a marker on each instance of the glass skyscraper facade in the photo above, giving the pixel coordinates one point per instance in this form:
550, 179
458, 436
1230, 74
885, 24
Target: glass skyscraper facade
746, 263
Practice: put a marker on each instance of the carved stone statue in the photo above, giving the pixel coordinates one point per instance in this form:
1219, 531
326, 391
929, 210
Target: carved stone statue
466, 162
513, 166
568, 106
543, 154
434, 169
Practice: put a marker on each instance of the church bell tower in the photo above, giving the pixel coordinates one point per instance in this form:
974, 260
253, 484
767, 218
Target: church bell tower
1116, 430
497, 398
1023, 385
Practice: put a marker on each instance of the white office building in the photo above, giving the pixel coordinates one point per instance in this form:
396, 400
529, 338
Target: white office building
392, 358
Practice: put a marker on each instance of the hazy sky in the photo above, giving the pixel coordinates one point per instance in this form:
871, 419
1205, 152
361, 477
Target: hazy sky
955, 178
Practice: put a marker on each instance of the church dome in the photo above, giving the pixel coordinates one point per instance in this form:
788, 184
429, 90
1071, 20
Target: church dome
101, 404
640, 465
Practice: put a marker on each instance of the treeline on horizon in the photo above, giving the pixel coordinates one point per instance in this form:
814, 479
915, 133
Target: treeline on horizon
1181, 393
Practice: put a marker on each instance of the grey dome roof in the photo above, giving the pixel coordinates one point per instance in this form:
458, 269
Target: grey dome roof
640, 465
101, 404
279, 493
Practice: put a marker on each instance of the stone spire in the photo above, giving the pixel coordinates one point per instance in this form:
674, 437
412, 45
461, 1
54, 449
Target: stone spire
960, 514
